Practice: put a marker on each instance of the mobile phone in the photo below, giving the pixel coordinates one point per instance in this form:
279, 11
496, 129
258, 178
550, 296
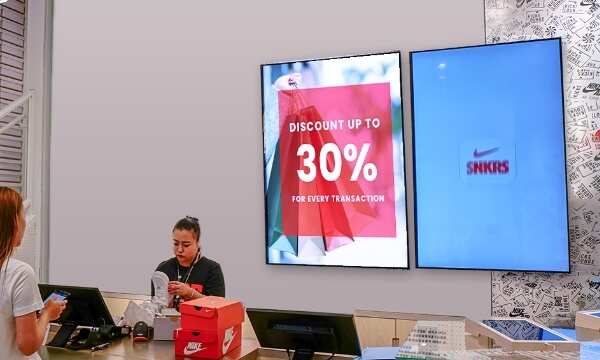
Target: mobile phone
59, 294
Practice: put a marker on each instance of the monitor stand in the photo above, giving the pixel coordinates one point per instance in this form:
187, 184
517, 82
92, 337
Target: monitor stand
63, 335
303, 354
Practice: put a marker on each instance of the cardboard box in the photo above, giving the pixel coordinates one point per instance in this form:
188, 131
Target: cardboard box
164, 327
207, 344
211, 313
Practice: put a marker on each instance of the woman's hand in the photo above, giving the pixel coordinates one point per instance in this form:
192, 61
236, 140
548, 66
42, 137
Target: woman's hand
288, 82
52, 308
178, 288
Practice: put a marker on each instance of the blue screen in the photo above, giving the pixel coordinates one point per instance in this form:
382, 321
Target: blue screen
489, 157
570, 333
523, 330
547, 335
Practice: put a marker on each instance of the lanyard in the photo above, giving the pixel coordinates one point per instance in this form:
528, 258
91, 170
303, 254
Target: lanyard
189, 272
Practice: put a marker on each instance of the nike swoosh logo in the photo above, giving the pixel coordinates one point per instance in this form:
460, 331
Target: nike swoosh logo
587, 3
187, 351
516, 314
484, 153
227, 343
597, 157
589, 89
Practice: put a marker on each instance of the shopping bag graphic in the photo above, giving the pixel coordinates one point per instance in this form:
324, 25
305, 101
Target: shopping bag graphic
333, 207
328, 219
276, 239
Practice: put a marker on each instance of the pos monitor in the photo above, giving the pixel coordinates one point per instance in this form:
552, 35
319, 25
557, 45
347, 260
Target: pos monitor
85, 307
305, 332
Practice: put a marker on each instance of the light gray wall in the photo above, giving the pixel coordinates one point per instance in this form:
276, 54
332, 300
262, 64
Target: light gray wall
37, 77
156, 114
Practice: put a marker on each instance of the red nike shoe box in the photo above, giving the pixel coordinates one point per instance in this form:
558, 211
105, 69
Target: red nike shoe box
211, 313
207, 344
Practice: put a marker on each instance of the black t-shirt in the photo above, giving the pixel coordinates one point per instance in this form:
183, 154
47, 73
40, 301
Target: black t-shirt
206, 276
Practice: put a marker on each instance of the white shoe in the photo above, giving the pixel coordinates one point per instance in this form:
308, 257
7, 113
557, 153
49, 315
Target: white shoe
161, 293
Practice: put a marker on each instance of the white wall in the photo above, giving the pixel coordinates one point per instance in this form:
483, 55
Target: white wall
37, 60
156, 114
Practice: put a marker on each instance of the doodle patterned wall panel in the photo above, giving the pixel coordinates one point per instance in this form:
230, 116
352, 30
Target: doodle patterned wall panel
540, 296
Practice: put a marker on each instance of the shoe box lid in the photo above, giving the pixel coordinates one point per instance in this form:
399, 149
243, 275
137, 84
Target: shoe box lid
211, 313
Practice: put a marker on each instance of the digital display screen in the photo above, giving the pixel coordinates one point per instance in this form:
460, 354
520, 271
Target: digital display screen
523, 330
489, 157
334, 162
305, 332
568, 332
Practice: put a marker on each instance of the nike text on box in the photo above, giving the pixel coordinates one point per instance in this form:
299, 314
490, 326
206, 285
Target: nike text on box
211, 313
207, 344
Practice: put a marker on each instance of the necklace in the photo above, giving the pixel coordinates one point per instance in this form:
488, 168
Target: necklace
177, 298
188, 273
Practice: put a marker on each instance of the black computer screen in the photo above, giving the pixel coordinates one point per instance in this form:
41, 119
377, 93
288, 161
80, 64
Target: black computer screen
305, 332
85, 305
